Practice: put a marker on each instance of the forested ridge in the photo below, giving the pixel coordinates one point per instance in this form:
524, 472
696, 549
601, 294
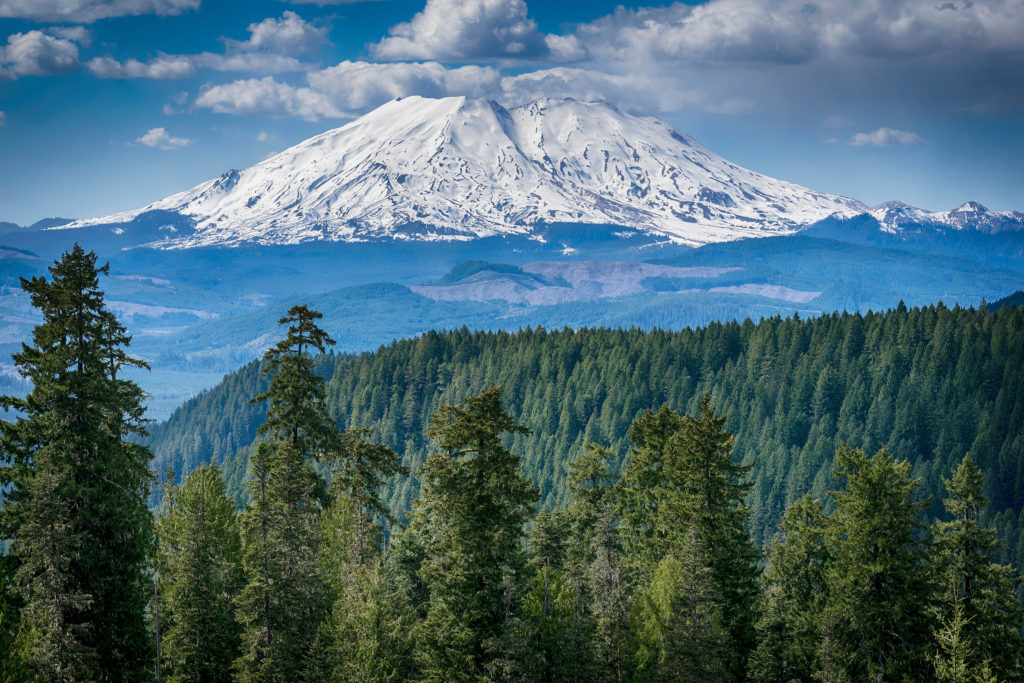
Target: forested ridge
635, 567
929, 384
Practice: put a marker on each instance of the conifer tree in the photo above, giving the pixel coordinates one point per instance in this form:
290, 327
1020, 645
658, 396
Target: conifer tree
879, 592
977, 595
285, 596
793, 597
76, 513
680, 632
365, 636
200, 574
681, 480
470, 521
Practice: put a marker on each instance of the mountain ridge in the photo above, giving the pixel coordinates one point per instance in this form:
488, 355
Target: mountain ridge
457, 168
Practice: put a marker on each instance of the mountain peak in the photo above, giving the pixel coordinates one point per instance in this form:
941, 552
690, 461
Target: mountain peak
460, 168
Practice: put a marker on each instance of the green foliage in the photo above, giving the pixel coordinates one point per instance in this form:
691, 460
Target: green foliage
681, 482
198, 562
793, 596
978, 604
470, 520
879, 595
286, 595
76, 513
930, 384
678, 620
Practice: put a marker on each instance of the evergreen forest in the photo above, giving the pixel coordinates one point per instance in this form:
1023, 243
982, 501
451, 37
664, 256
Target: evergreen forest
834, 499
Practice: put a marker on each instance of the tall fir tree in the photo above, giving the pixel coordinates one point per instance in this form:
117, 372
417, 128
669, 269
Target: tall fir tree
681, 480
285, 597
365, 635
199, 567
470, 523
977, 597
678, 621
76, 513
793, 597
877, 618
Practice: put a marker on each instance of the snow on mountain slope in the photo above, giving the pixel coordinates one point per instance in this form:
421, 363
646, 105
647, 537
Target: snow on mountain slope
895, 216
457, 168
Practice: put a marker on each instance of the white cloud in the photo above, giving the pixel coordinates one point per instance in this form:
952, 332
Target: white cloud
159, 138
268, 50
267, 97
161, 67
90, 10
183, 66
76, 34
35, 53
793, 31
639, 91
3, 118
886, 137
359, 86
352, 88
176, 104
289, 35
262, 136
450, 30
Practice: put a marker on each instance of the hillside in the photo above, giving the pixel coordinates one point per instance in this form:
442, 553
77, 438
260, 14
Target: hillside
929, 383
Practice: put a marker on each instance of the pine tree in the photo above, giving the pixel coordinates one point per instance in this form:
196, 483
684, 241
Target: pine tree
200, 574
470, 520
76, 512
678, 621
681, 480
879, 594
285, 596
793, 597
365, 636
975, 593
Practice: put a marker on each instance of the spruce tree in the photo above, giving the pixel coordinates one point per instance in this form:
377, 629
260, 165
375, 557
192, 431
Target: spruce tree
681, 481
200, 574
678, 621
365, 636
285, 596
76, 514
877, 620
975, 594
469, 521
793, 597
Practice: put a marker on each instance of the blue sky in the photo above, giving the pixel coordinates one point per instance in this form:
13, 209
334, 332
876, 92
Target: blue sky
106, 105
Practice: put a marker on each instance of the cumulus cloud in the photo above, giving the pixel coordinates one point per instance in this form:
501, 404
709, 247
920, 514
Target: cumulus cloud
76, 34
449, 30
87, 11
886, 137
161, 139
268, 50
641, 91
161, 67
35, 53
289, 35
267, 97
793, 31
359, 86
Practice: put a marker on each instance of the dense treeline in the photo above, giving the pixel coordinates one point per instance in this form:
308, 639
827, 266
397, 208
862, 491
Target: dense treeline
929, 384
644, 571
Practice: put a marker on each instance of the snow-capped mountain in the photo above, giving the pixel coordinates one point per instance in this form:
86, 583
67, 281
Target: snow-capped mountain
457, 168
895, 217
